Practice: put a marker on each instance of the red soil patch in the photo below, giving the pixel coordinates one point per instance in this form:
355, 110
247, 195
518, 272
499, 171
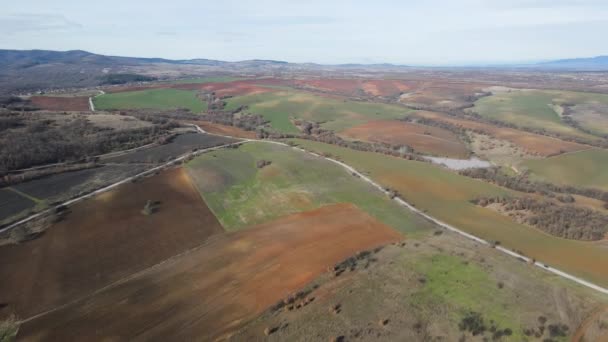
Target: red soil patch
213, 290
102, 240
438, 93
60, 103
221, 89
347, 87
385, 87
224, 130
426, 139
533, 143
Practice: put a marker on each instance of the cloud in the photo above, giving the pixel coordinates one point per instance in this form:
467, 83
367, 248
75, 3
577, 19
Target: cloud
29, 22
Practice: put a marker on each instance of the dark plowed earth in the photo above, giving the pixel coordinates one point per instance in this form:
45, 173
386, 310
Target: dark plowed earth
208, 293
102, 240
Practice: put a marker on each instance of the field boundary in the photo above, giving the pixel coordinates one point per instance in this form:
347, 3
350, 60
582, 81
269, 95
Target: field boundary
113, 185
440, 223
353, 171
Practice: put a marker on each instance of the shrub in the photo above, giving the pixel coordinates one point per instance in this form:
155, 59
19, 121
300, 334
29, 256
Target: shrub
473, 323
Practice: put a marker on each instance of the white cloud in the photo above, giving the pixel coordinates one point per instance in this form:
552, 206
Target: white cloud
434, 31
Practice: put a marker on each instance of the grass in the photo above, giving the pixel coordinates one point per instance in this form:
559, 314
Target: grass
446, 195
241, 195
335, 114
532, 108
151, 99
583, 169
465, 286
8, 329
217, 79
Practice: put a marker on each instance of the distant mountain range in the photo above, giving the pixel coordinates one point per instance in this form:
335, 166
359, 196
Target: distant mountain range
32, 70
593, 63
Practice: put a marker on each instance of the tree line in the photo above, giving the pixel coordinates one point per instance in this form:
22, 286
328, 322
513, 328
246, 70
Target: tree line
562, 220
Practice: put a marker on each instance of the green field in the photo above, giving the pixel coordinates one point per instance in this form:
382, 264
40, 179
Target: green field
217, 79
588, 169
533, 109
446, 195
336, 114
241, 195
151, 99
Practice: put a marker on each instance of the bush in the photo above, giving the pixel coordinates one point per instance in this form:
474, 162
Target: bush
473, 323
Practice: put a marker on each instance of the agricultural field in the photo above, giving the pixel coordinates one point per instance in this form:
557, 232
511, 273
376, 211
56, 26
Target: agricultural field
12, 203
188, 297
178, 146
151, 99
535, 109
61, 103
423, 139
423, 289
41, 192
220, 129
211, 79
536, 144
116, 122
587, 169
104, 239
241, 194
415, 93
334, 113
447, 195
355, 87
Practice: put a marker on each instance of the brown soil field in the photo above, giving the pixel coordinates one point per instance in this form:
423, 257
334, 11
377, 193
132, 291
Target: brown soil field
428, 94
347, 87
426, 139
102, 240
532, 143
354, 87
440, 94
235, 88
62, 103
211, 291
385, 87
224, 129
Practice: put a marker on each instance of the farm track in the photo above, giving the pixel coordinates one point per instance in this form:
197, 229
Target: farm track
351, 170
442, 224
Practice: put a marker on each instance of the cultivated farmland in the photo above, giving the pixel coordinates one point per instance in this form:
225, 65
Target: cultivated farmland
334, 113
424, 139
588, 169
178, 146
423, 289
531, 109
532, 143
220, 285
102, 240
446, 196
13, 203
151, 99
61, 103
224, 130
241, 194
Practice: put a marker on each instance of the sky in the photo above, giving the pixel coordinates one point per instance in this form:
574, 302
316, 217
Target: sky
426, 32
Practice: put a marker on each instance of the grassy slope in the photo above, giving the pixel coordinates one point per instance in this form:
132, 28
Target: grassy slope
242, 195
336, 114
530, 109
151, 99
584, 169
446, 195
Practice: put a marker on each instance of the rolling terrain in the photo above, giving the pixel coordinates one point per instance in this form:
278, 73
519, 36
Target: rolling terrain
309, 211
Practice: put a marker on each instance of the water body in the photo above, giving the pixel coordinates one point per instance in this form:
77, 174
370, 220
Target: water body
460, 164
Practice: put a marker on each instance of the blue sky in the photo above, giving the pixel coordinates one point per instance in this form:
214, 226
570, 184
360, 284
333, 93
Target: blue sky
431, 32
